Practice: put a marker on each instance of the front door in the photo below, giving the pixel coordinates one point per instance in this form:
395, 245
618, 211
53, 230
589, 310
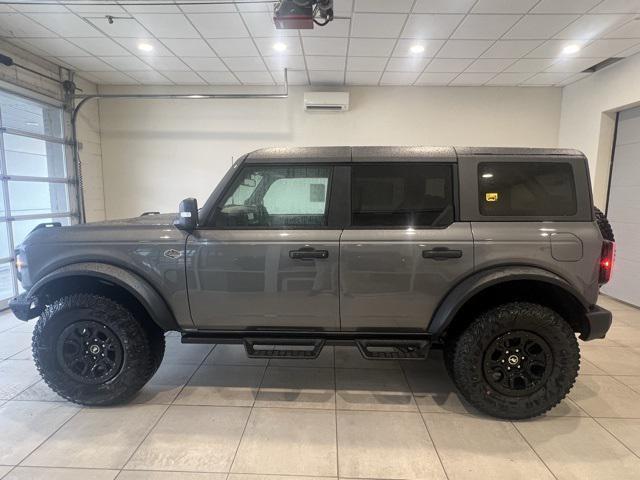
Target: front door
269, 258
404, 250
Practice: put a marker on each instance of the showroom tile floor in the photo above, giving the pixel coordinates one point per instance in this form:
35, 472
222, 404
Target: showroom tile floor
211, 413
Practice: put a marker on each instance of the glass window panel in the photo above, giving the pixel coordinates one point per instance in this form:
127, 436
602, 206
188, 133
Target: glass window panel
6, 281
28, 116
34, 158
2, 212
401, 195
526, 189
30, 198
276, 197
5, 251
22, 228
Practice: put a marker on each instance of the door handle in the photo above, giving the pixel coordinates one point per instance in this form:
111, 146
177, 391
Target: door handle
441, 253
308, 253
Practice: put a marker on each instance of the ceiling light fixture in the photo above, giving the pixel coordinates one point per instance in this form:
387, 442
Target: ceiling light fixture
570, 49
279, 46
145, 47
417, 49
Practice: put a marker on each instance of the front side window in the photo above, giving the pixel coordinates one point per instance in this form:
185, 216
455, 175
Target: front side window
535, 189
401, 195
276, 197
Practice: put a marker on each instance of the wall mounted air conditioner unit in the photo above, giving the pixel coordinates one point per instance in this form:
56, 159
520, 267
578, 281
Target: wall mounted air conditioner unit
326, 101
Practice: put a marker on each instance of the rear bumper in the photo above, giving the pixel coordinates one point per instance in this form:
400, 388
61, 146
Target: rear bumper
25, 307
598, 322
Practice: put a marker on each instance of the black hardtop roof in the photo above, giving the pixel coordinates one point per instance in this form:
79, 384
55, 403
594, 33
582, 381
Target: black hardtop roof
391, 154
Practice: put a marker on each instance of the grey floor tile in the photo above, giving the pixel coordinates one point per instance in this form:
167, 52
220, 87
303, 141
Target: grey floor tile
613, 360
567, 408
97, 437
25, 425
192, 438
588, 368
605, 397
233, 355
40, 392
188, 353
432, 388
4, 469
626, 430
579, 448
43, 473
148, 475
166, 384
16, 376
350, 357
324, 360
628, 317
631, 381
247, 476
389, 445
288, 442
296, 387
13, 342
473, 447
614, 305
366, 389
222, 385
625, 335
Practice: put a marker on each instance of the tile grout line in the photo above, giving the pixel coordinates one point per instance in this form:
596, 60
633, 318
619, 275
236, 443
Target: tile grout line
615, 437
533, 450
246, 423
424, 422
164, 412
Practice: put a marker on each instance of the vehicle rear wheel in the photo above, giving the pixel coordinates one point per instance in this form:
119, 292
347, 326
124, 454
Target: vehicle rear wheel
515, 361
91, 350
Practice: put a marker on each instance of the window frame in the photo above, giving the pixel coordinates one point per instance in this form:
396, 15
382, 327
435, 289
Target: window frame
8, 218
455, 194
469, 204
330, 206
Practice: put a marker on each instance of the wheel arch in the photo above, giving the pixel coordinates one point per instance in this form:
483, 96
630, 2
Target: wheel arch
488, 288
110, 280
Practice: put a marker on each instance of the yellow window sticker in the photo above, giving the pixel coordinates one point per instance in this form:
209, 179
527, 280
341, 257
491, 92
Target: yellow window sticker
491, 197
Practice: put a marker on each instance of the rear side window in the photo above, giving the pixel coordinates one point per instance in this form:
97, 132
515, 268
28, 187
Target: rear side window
536, 189
401, 195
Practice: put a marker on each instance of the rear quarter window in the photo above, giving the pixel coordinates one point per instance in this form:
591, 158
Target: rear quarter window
535, 189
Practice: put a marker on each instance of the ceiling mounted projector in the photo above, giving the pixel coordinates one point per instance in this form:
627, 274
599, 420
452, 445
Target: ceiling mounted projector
302, 14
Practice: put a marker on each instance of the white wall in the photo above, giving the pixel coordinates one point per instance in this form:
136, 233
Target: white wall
588, 116
157, 152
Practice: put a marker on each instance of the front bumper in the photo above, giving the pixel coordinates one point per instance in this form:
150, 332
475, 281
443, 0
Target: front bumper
597, 324
25, 307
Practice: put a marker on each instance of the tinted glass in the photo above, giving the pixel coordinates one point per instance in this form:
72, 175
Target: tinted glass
273, 197
401, 195
527, 189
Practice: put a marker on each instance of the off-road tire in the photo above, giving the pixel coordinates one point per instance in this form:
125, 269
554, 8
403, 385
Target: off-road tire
604, 225
158, 346
140, 350
466, 354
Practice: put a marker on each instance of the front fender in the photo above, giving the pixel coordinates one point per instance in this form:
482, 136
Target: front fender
150, 299
476, 283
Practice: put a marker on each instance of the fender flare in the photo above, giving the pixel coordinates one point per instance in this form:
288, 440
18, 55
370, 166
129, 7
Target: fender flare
137, 286
476, 283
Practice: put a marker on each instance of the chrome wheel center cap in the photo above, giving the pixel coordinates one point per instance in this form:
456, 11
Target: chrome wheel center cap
94, 349
513, 360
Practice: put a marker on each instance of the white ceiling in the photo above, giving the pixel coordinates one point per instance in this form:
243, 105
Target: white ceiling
466, 42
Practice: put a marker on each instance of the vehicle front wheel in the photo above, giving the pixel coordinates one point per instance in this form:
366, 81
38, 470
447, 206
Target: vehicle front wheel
515, 361
91, 350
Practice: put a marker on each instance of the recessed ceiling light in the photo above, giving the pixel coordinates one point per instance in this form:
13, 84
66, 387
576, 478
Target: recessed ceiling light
145, 47
417, 49
487, 175
569, 49
279, 46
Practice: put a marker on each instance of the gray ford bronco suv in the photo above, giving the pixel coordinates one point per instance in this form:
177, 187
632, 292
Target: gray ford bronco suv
495, 255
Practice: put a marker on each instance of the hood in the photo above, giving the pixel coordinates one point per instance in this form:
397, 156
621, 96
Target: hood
146, 228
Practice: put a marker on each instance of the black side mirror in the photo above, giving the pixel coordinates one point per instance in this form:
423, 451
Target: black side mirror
188, 215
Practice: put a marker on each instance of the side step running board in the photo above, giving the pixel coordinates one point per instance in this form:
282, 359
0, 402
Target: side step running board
295, 348
393, 349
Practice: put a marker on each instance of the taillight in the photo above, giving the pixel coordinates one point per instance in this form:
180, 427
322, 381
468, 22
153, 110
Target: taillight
607, 258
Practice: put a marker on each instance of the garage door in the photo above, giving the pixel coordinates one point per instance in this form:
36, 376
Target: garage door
624, 208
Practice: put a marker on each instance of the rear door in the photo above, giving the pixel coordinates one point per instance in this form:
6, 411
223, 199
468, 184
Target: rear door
269, 259
404, 249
